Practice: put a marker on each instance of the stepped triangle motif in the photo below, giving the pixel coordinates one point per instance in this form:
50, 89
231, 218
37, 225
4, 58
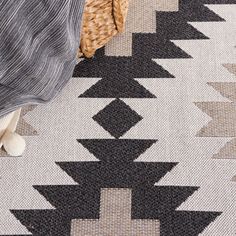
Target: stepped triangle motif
223, 114
141, 19
118, 215
117, 150
110, 178
118, 73
175, 26
117, 174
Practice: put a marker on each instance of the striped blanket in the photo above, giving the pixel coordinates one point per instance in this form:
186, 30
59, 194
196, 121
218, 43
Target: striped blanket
38, 44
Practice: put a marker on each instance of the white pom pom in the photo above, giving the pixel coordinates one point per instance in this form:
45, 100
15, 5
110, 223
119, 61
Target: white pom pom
13, 143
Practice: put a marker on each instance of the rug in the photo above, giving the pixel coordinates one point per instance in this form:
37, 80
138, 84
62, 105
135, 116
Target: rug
142, 141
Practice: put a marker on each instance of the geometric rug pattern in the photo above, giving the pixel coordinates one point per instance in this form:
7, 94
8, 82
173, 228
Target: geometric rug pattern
223, 114
142, 139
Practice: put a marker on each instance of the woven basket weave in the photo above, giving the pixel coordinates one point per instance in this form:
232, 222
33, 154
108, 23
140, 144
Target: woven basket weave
102, 19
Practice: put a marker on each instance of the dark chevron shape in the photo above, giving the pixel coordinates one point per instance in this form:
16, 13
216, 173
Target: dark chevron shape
117, 88
125, 150
109, 67
71, 202
82, 201
117, 118
72, 197
164, 198
118, 73
173, 223
148, 202
45, 222
161, 203
170, 26
116, 174
156, 47
189, 11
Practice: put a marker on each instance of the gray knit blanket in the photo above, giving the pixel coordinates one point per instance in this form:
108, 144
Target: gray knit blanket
38, 44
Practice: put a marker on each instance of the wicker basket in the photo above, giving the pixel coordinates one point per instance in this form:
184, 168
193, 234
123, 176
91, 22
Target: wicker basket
102, 19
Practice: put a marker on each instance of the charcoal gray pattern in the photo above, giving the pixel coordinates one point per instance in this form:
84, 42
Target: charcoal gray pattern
38, 44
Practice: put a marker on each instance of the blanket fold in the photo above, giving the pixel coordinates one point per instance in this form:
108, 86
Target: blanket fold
38, 46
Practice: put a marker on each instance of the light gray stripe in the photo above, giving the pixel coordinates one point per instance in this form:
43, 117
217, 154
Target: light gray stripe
38, 44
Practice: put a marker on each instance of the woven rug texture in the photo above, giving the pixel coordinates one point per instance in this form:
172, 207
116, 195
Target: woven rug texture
142, 140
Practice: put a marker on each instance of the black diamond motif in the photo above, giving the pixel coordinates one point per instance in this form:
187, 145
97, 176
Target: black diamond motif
117, 118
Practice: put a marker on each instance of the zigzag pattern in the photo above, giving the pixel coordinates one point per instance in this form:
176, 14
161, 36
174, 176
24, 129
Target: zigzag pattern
141, 19
118, 73
82, 201
223, 114
117, 167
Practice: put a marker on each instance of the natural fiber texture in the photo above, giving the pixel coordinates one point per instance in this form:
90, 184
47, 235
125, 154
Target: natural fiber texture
102, 19
137, 144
